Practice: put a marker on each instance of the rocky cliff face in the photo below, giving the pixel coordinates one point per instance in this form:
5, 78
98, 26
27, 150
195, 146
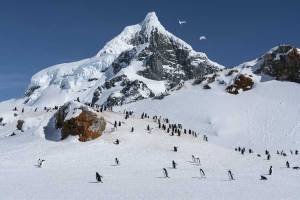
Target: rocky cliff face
156, 55
281, 62
167, 59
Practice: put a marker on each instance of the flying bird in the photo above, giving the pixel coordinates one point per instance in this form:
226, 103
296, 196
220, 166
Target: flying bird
202, 38
181, 22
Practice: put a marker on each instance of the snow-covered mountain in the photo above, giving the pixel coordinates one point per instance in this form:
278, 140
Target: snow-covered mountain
280, 63
147, 69
147, 66
144, 60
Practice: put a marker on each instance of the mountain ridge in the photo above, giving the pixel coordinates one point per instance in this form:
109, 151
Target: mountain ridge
145, 56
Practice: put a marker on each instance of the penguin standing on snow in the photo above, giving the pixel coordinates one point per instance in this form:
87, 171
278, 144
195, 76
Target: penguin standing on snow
198, 161
230, 175
270, 170
117, 142
99, 177
287, 164
202, 173
117, 161
40, 162
193, 158
174, 164
165, 173
175, 149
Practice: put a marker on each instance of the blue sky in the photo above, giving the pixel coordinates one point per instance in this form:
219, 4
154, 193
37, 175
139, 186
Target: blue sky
37, 34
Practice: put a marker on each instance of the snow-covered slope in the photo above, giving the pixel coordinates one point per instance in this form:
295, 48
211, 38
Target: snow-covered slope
148, 69
69, 168
267, 116
145, 56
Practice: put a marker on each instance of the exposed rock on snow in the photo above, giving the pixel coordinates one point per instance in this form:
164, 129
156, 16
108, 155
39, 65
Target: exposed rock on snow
20, 124
281, 62
132, 91
206, 87
76, 119
241, 82
230, 80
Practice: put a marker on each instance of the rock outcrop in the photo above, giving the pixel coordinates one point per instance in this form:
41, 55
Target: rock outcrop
77, 120
281, 63
241, 82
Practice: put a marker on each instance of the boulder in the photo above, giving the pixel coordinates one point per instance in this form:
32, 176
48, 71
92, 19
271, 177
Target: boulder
241, 82
77, 119
206, 87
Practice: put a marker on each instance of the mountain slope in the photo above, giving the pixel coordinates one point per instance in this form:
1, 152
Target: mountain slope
147, 69
143, 57
70, 166
281, 63
268, 116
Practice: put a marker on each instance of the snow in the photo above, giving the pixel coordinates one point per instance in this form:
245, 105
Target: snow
70, 166
251, 63
73, 110
63, 82
252, 118
121, 42
157, 87
265, 117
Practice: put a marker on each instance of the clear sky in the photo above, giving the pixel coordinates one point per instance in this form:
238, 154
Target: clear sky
37, 34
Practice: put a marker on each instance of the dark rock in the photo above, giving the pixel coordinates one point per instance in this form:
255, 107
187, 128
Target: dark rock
92, 79
231, 72
111, 83
198, 80
206, 87
241, 82
87, 125
283, 63
211, 79
131, 92
30, 90
20, 124
165, 51
123, 60
96, 95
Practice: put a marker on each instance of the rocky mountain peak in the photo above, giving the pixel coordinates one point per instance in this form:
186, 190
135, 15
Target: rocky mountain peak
143, 61
151, 22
